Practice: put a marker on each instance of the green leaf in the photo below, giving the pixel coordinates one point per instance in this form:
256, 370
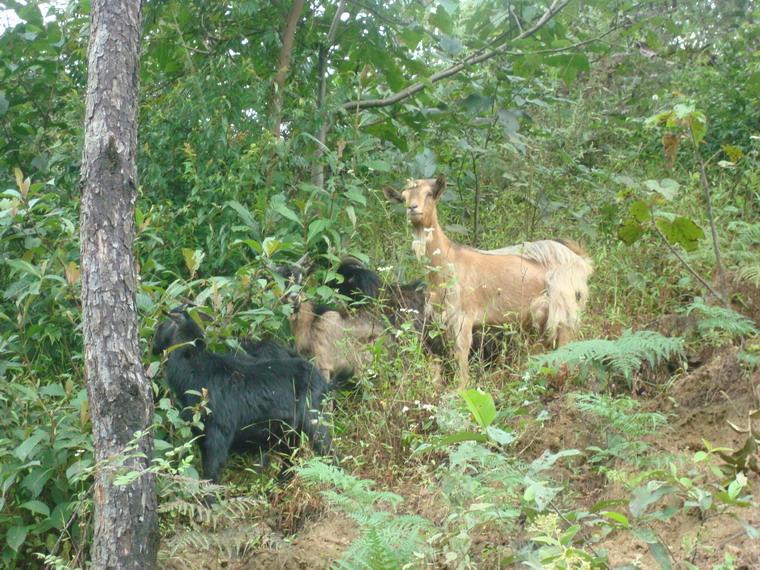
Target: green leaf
630, 231
547, 460
36, 507
481, 406
3, 104
16, 536
61, 514
287, 213
660, 118
639, 210
316, 228
459, 437
25, 449
683, 110
698, 126
606, 503
666, 187
540, 493
355, 195
644, 497
271, 245
351, 213
35, 481
569, 534
411, 37
569, 65
244, 214
619, 518
450, 44
53, 390
425, 164
475, 103
24, 267
499, 435
442, 20
379, 165
31, 14
661, 555
681, 231
193, 259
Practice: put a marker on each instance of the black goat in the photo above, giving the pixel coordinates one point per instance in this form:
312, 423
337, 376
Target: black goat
256, 405
268, 350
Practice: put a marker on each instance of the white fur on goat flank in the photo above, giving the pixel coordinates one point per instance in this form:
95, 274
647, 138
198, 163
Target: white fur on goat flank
544, 283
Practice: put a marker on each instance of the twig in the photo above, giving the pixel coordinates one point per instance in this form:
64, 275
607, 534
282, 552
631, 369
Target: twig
283, 65
553, 10
689, 268
564, 518
318, 170
514, 15
711, 218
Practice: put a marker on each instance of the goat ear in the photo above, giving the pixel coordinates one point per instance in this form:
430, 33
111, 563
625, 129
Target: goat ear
392, 195
439, 187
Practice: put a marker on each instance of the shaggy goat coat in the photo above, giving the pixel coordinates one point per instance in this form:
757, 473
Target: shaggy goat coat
336, 340
255, 405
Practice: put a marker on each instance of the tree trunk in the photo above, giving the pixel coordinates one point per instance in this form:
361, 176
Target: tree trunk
283, 65
121, 400
318, 169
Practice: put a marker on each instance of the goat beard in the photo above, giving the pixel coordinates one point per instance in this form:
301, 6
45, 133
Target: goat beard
422, 236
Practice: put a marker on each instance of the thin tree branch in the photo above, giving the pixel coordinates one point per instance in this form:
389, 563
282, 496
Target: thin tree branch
688, 267
318, 169
283, 64
553, 10
710, 217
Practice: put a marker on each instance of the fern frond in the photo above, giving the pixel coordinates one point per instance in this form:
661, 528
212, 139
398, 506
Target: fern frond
720, 319
188, 509
357, 489
751, 274
386, 540
232, 542
622, 356
620, 414
54, 562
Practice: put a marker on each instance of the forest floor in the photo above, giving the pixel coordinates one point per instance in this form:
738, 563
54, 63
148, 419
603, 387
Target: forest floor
699, 405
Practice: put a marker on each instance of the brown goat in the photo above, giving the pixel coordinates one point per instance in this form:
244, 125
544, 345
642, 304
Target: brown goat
336, 340
544, 283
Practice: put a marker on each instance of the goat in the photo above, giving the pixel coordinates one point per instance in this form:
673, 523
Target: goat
268, 350
336, 339
256, 405
543, 282
404, 302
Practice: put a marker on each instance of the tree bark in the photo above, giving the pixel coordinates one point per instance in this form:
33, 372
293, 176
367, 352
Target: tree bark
121, 400
283, 64
318, 169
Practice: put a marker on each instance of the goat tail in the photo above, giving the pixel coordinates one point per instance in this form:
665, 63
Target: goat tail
559, 309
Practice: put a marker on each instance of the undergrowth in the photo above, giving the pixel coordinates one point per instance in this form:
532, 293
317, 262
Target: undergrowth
612, 360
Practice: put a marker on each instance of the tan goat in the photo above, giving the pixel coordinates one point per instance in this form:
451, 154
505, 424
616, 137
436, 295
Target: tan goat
543, 283
336, 340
